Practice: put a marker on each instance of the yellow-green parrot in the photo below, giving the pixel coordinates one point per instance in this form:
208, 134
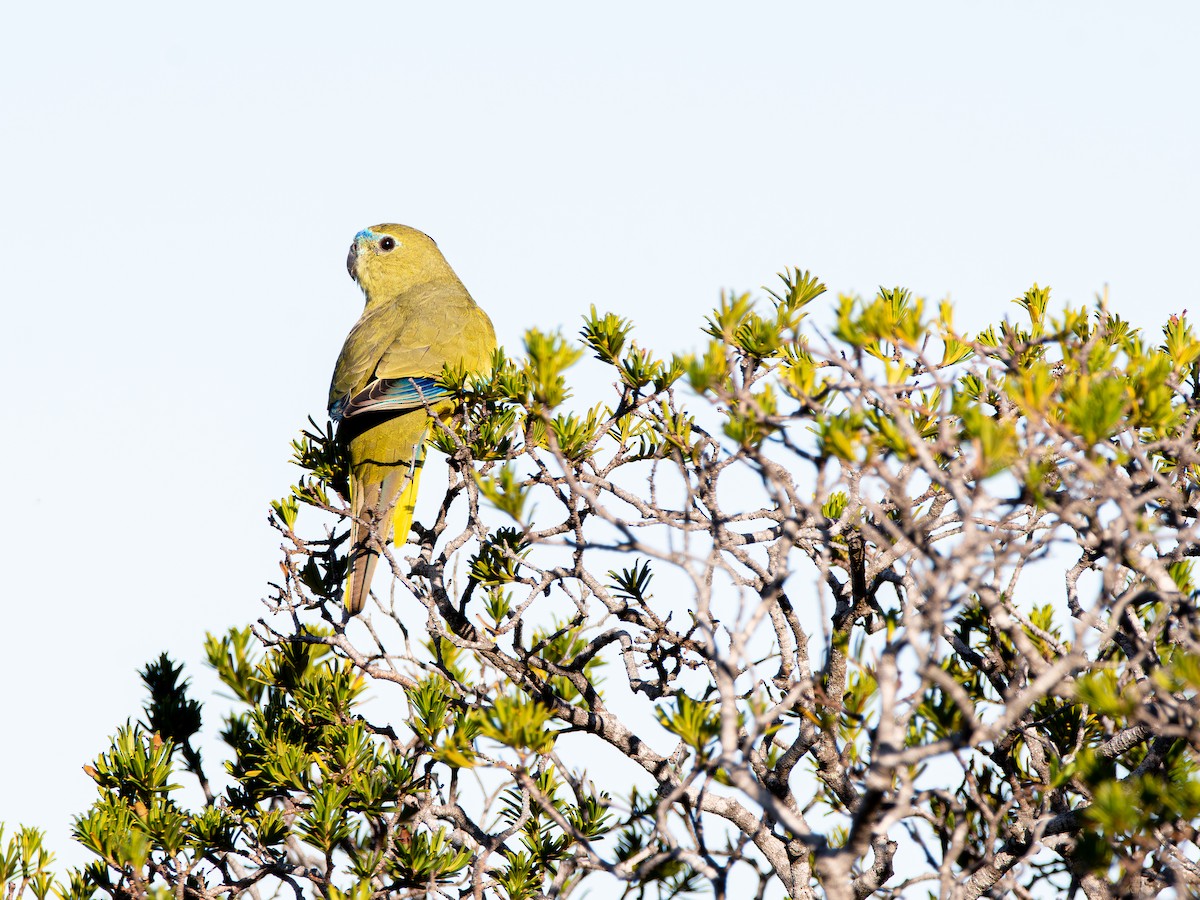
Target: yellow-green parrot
418, 318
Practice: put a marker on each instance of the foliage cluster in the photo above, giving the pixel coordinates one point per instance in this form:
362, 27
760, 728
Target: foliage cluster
806, 597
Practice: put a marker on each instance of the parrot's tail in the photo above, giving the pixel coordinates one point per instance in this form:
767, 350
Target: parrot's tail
388, 506
363, 560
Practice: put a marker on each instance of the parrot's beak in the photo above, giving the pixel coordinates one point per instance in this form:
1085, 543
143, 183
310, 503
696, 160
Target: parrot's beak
352, 261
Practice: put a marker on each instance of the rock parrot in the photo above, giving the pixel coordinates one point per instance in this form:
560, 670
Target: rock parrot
418, 318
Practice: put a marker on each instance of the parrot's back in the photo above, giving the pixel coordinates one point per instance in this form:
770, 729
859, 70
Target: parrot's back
385, 384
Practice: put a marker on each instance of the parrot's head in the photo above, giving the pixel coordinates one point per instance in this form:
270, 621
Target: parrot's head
388, 259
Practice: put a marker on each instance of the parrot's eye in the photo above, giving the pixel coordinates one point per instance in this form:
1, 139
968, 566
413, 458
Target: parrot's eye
387, 244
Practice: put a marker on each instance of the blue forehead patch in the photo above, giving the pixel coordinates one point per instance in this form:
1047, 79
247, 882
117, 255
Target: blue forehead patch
366, 234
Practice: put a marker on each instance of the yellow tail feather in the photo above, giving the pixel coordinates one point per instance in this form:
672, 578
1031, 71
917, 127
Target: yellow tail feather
406, 503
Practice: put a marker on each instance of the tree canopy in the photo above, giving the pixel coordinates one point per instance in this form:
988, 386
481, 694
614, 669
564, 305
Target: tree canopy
847, 604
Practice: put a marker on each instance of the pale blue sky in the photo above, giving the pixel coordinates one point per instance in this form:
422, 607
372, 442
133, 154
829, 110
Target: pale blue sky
180, 186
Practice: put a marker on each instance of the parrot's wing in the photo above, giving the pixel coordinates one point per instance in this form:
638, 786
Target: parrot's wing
389, 394
409, 340
367, 342
427, 344
405, 375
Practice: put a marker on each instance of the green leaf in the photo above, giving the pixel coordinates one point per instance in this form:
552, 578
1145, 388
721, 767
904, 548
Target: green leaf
326, 822
696, 722
505, 490
520, 723
547, 357
606, 334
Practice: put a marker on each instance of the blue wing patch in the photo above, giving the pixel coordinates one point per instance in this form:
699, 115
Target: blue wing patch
389, 395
